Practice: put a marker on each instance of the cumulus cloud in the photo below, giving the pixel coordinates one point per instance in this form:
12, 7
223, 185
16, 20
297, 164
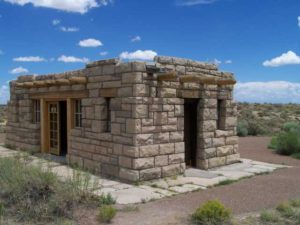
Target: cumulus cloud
55, 22
271, 92
90, 43
138, 55
69, 29
72, 59
229, 61
29, 59
77, 6
289, 58
19, 70
193, 2
217, 62
136, 39
103, 53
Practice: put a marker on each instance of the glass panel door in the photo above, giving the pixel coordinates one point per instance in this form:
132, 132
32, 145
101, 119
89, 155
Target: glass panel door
54, 128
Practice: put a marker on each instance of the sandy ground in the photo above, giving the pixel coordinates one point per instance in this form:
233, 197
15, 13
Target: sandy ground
249, 195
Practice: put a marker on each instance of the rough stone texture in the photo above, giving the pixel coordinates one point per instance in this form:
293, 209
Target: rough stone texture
146, 135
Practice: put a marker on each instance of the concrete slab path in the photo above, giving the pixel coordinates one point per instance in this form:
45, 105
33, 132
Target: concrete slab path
192, 180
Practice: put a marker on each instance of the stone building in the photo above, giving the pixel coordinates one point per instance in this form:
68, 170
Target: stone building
131, 120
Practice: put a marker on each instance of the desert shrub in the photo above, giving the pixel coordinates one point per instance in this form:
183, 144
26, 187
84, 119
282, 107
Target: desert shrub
287, 142
296, 155
106, 199
106, 213
37, 194
295, 203
212, 213
2, 210
242, 130
268, 216
255, 128
285, 210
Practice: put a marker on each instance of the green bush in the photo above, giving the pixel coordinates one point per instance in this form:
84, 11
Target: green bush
242, 130
36, 194
212, 213
106, 199
287, 142
2, 210
285, 210
255, 128
267, 216
106, 213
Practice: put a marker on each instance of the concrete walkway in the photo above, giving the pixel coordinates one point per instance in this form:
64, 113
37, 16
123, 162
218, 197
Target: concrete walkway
192, 180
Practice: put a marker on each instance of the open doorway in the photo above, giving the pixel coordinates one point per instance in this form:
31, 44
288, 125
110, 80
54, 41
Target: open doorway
190, 131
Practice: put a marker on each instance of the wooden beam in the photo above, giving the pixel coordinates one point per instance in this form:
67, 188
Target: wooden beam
62, 82
60, 95
28, 84
50, 82
198, 79
19, 85
39, 83
226, 82
78, 80
172, 76
44, 127
70, 120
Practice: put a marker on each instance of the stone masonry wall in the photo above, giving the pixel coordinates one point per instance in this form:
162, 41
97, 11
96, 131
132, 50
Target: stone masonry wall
146, 139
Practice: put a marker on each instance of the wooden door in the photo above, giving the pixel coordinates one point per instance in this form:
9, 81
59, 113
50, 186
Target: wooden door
54, 128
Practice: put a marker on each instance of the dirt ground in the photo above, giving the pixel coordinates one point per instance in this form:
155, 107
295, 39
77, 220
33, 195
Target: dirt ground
245, 196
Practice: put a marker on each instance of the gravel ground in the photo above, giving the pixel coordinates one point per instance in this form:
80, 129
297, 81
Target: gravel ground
245, 196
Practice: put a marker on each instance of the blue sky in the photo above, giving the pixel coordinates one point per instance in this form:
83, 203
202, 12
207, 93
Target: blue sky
259, 41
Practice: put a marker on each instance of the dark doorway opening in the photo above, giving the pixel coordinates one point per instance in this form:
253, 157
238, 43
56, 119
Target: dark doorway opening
190, 131
63, 127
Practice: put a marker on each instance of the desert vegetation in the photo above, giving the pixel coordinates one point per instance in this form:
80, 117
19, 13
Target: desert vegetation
287, 141
31, 195
265, 119
212, 213
215, 213
286, 213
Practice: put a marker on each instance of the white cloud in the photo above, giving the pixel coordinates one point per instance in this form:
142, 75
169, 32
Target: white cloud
217, 62
72, 59
29, 59
289, 58
90, 43
229, 61
77, 6
69, 29
272, 92
4, 94
55, 22
136, 38
138, 55
103, 53
193, 2
19, 70
298, 21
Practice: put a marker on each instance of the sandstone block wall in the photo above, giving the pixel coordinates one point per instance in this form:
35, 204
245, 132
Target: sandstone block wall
145, 137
